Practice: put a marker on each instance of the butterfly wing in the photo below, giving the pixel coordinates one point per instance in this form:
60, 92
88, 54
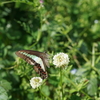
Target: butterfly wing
40, 71
26, 58
43, 56
39, 68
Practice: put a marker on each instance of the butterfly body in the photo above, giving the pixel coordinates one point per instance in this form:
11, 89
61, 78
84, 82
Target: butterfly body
38, 59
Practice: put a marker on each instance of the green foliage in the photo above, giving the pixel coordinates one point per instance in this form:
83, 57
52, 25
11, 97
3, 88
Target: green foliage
3, 94
70, 26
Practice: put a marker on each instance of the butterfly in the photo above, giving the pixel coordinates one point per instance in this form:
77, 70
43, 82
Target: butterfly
40, 60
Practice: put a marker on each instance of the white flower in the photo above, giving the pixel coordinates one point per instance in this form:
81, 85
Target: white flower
96, 21
73, 71
35, 82
61, 60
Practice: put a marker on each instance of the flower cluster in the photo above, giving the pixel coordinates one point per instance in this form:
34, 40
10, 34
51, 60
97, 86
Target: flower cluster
35, 82
60, 60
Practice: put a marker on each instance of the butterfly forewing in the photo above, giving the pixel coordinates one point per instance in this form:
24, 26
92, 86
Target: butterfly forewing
26, 58
43, 56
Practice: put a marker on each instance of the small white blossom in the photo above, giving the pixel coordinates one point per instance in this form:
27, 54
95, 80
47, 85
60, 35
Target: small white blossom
61, 60
73, 71
35, 82
96, 21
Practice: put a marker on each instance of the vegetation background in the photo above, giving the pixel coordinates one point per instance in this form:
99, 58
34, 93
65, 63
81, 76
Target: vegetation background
69, 26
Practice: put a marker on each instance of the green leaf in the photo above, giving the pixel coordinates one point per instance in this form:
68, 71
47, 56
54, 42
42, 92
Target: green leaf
92, 86
3, 94
75, 97
5, 84
45, 90
82, 71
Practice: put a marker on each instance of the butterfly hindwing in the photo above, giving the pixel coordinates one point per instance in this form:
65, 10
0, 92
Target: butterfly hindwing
40, 71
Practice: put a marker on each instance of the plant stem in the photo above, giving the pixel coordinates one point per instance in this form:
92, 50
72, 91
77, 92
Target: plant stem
93, 59
93, 55
4, 2
61, 83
